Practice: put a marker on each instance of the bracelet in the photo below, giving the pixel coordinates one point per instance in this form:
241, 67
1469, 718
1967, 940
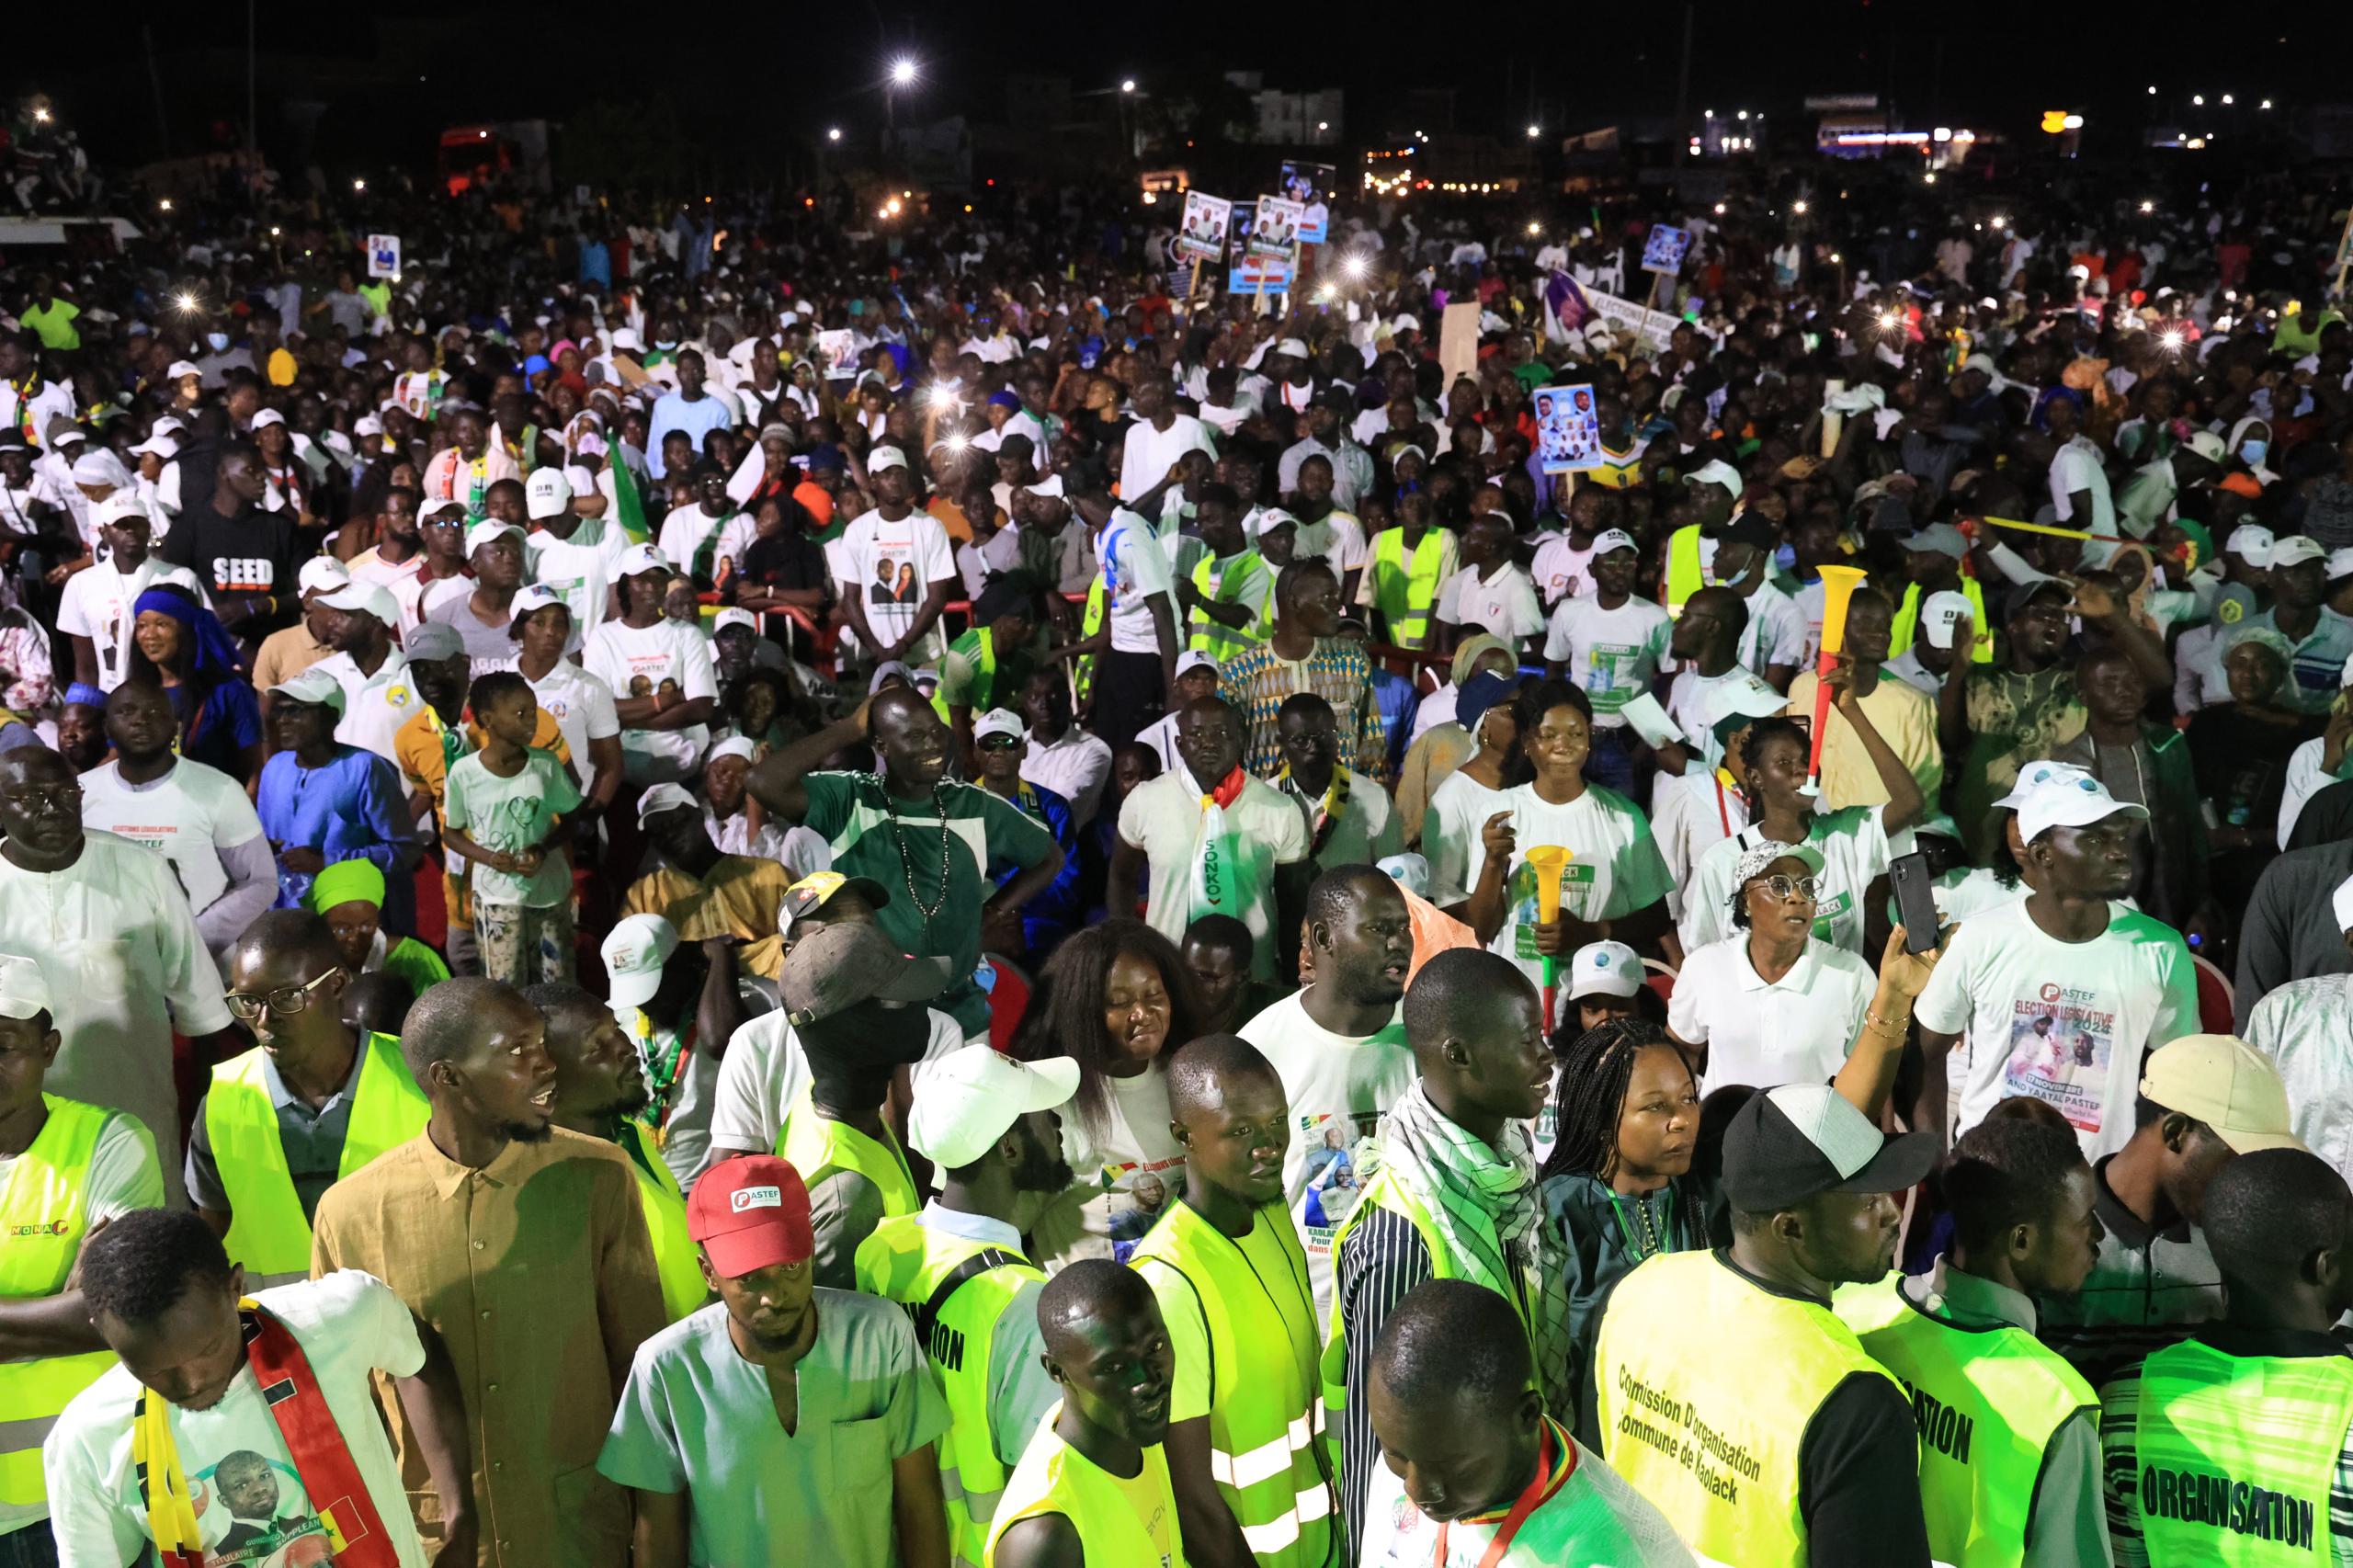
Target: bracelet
1873, 1020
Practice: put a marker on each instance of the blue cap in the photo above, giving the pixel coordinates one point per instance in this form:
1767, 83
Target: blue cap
535, 364
1481, 692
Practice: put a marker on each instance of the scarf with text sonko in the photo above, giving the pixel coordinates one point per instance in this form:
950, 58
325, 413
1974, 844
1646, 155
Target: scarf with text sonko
330, 1478
1490, 1217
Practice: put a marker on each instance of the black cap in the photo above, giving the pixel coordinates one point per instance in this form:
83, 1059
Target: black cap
1786, 1144
1752, 530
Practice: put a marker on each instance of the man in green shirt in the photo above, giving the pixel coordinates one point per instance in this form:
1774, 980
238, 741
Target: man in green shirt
987, 666
911, 826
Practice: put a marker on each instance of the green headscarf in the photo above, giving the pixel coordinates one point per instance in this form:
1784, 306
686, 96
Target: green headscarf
347, 881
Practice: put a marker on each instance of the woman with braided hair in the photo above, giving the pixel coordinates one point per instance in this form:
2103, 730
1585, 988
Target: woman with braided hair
1619, 1182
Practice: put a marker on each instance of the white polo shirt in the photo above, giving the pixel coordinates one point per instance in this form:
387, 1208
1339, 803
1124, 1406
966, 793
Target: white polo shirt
1074, 767
581, 707
374, 707
1793, 1030
1505, 604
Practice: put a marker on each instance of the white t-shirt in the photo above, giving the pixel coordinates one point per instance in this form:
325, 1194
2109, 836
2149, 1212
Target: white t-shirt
891, 567
1795, 1030
1162, 818
581, 570
689, 531
1855, 849
1688, 815
1451, 824
1776, 632
1148, 454
97, 604
1337, 1088
1128, 1175
2066, 1023
350, 1325
1614, 868
1613, 653
188, 816
1505, 604
1338, 540
1688, 702
1136, 568
635, 661
1561, 569
765, 1073
581, 707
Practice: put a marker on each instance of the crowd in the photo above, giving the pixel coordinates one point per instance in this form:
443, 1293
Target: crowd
725, 887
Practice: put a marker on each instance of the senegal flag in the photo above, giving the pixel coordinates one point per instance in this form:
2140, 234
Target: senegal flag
628, 507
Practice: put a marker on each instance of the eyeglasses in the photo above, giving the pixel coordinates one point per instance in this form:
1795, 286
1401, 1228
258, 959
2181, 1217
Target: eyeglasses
1786, 888
293, 999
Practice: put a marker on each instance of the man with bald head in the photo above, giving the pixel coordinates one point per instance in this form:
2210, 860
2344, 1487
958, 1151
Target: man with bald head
315, 1101
1231, 1277
929, 839
1455, 1197
1093, 1490
525, 1245
107, 921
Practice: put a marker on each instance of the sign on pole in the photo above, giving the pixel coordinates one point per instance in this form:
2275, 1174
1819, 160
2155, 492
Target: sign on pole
383, 256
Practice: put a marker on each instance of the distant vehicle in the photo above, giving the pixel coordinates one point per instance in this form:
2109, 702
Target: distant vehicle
510, 150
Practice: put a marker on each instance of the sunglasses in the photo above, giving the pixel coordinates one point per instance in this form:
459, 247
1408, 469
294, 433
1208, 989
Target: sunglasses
1786, 888
1000, 743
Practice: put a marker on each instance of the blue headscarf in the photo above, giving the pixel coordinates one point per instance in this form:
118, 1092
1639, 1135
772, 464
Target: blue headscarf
213, 654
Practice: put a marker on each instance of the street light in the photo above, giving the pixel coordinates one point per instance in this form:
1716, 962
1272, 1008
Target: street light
1798, 208
1534, 132
165, 204
902, 72
2226, 100
1128, 84
1535, 228
359, 184
834, 133
2148, 207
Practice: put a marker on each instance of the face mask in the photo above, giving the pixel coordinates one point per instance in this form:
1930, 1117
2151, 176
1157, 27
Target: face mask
220, 341
2252, 451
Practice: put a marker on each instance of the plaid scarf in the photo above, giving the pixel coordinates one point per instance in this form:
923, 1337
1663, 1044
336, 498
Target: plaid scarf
1490, 1215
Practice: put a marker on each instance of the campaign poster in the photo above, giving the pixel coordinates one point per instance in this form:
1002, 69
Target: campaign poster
1309, 185
1568, 429
383, 256
1665, 249
839, 346
1202, 235
1274, 231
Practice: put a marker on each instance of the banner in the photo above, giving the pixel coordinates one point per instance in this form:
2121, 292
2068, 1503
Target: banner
383, 256
1202, 235
1568, 428
1625, 316
1458, 342
1309, 185
1665, 249
1253, 276
1274, 231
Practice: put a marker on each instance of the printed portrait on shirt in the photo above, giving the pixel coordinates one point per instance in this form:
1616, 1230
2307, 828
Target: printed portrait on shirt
264, 1517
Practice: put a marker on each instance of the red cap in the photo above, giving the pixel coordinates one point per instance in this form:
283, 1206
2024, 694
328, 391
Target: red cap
750, 1213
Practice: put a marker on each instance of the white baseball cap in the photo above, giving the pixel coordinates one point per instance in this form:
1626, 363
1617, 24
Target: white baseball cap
181, 368
1605, 969
881, 457
739, 746
1718, 472
1609, 539
639, 559
972, 1098
626, 337
2295, 550
1194, 659
531, 598
547, 493
2252, 543
1751, 698
2059, 794
1000, 722
635, 952
366, 598
489, 532
267, 417
322, 575
24, 990
733, 616
1939, 612
1291, 347
120, 505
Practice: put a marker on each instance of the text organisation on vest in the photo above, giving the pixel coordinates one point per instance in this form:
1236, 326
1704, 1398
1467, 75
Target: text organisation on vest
1677, 1429
2227, 1505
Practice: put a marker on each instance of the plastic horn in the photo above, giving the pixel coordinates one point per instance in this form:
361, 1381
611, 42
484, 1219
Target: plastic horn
1838, 584
1548, 861
1833, 422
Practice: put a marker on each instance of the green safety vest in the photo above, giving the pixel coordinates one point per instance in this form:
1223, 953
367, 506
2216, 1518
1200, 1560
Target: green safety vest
675, 1258
1054, 1478
1406, 592
1090, 622
267, 1232
905, 1261
1907, 625
1987, 1403
1685, 576
1712, 1439
1224, 582
818, 1146
2234, 1456
1265, 1417
44, 1211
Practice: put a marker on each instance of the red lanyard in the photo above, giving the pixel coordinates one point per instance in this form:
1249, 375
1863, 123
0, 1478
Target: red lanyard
1545, 1485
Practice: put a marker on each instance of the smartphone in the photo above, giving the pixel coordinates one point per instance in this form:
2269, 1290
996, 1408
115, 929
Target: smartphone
1915, 901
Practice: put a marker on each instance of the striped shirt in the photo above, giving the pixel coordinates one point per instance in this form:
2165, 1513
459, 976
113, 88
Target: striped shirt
1259, 681
2119, 1408
1380, 1259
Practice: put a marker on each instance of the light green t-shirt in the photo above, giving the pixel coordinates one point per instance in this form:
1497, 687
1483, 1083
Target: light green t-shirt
512, 814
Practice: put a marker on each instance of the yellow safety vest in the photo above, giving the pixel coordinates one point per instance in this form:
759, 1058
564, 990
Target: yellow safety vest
1704, 1385
675, 1258
910, 1263
1405, 592
44, 1211
1264, 1414
1054, 1478
267, 1230
1907, 625
1987, 1403
819, 1146
2234, 1457
1684, 575
1222, 582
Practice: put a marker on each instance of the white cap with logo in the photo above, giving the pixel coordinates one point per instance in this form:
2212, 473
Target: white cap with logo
2059, 794
634, 953
970, 1098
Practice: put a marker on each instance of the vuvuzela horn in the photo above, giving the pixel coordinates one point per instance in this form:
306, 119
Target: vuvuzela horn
1838, 584
1547, 861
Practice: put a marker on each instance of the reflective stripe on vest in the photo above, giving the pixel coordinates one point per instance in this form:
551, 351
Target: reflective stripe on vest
1713, 1440
44, 1211
904, 1260
1685, 576
2234, 1456
1405, 594
1265, 1415
675, 1258
1907, 625
1987, 1403
1054, 1478
819, 1146
267, 1232
1222, 582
